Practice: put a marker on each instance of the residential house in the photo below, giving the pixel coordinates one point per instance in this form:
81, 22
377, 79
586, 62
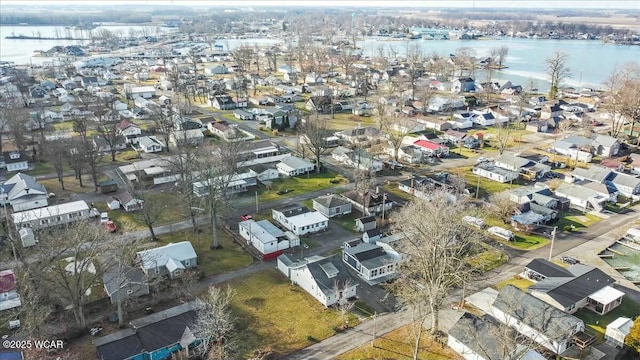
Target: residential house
326, 279
130, 131
222, 102
585, 287
431, 149
149, 144
23, 192
460, 123
551, 109
537, 126
265, 173
227, 132
576, 147
45, 217
186, 123
407, 154
375, 263
617, 331
595, 173
127, 202
331, 205
130, 91
366, 223
359, 134
541, 269
193, 137
14, 161
216, 70
169, 260
124, 283
478, 338
422, 187
435, 124
586, 196
103, 146
496, 173
369, 203
511, 162
606, 146
294, 166
372, 236
537, 320
276, 118
9, 297
300, 220
358, 159
624, 184
266, 237
463, 85
237, 183
27, 237
243, 115
155, 336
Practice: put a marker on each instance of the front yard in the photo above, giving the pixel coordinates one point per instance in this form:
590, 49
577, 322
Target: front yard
487, 186
398, 344
517, 281
274, 314
297, 185
522, 241
598, 323
229, 257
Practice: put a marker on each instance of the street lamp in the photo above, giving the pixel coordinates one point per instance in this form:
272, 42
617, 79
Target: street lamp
553, 239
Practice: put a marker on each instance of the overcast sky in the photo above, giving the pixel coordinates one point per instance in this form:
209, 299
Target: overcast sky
541, 4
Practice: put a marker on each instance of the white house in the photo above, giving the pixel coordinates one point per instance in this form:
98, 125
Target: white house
300, 220
52, 215
535, 319
130, 131
585, 196
132, 91
266, 237
171, 259
490, 171
14, 161
326, 279
617, 331
23, 192
293, 166
150, 144
332, 205
373, 262
190, 137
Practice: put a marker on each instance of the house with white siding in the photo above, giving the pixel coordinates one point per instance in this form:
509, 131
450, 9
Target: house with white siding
266, 237
374, 262
300, 220
171, 259
294, 166
324, 278
332, 205
22, 192
540, 322
45, 217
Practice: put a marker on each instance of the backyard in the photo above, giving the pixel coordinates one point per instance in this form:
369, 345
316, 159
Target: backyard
229, 257
274, 314
517, 281
598, 323
291, 186
486, 186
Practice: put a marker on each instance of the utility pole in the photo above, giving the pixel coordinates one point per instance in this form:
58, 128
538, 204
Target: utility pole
257, 208
478, 187
373, 337
553, 239
384, 200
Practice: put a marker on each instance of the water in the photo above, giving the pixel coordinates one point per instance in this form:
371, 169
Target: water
631, 259
591, 61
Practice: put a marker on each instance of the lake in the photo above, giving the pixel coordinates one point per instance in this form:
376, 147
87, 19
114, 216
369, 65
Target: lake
591, 61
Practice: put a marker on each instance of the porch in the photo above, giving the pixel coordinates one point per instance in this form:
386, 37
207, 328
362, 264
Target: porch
604, 300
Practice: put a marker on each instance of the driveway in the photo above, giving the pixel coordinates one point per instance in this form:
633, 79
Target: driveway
483, 299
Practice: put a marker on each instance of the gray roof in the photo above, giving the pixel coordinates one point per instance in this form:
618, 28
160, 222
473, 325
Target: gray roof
325, 283
114, 280
160, 256
548, 269
577, 191
19, 183
578, 140
605, 140
480, 335
585, 280
594, 173
535, 313
617, 178
341, 150
146, 141
331, 201
563, 145
295, 162
270, 228
512, 160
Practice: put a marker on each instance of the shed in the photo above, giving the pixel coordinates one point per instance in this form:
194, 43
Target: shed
107, 186
366, 223
113, 203
617, 330
27, 237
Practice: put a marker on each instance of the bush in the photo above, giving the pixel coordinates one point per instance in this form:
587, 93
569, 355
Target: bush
567, 228
312, 339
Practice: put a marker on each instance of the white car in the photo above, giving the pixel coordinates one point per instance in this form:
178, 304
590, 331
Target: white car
481, 159
104, 217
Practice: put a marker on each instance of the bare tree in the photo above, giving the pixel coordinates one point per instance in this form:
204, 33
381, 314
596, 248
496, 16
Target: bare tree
216, 324
395, 131
501, 206
501, 55
343, 304
436, 244
622, 92
346, 59
315, 133
503, 136
185, 166
71, 261
151, 209
108, 125
76, 156
17, 121
163, 121
558, 71
121, 273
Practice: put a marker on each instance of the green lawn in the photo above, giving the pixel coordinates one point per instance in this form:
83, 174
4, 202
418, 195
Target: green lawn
299, 185
348, 222
522, 241
487, 258
44, 168
399, 344
520, 283
487, 186
273, 313
578, 220
229, 257
393, 189
598, 323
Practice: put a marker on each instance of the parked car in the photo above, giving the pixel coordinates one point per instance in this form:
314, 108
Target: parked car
246, 217
569, 260
110, 226
481, 159
104, 217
